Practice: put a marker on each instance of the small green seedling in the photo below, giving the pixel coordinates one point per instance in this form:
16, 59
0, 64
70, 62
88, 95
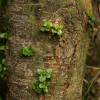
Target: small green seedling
52, 29
42, 83
27, 51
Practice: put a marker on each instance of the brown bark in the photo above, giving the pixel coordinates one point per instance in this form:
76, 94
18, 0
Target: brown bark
65, 56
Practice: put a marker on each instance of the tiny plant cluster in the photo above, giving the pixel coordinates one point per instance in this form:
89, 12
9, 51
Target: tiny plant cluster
52, 29
27, 51
43, 81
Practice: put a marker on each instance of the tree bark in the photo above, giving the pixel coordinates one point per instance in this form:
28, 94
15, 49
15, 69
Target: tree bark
65, 56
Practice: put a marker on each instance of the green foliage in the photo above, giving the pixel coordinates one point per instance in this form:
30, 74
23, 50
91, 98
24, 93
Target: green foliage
4, 34
91, 19
27, 51
43, 81
52, 29
2, 47
2, 68
3, 37
3, 3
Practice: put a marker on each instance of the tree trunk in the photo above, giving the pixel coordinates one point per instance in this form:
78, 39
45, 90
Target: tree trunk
66, 56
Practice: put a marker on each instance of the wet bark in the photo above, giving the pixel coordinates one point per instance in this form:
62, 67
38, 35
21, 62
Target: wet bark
66, 56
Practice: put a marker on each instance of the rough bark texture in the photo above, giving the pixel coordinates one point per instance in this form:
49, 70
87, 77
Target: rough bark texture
65, 56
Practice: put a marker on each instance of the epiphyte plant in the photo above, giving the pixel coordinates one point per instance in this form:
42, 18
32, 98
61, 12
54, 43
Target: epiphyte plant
27, 51
55, 30
41, 85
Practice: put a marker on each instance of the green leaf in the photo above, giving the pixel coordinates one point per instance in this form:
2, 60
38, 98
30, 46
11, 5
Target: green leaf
2, 47
48, 76
27, 51
54, 31
60, 33
36, 88
42, 78
41, 85
4, 68
61, 26
93, 18
3, 61
49, 73
48, 24
45, 89
4, 35
40, 71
